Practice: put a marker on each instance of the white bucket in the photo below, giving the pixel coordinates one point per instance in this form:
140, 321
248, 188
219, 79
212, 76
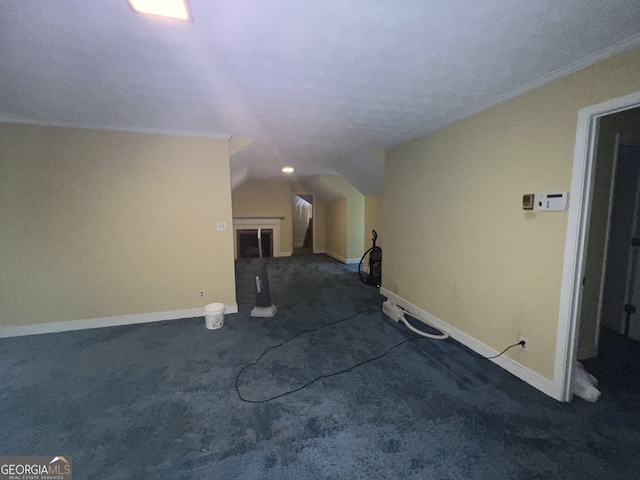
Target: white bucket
214, 315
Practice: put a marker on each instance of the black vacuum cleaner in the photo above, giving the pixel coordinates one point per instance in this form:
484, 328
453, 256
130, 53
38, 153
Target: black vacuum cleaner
374, 277
258, 272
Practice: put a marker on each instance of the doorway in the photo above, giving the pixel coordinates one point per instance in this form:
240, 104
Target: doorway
303, 223
613, 203
614, 356
619, 303
585, 219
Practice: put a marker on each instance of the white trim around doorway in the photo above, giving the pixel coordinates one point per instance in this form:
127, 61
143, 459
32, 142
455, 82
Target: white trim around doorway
576, 241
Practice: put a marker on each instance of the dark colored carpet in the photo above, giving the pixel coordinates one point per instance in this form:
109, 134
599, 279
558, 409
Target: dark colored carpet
157, 401
617, 367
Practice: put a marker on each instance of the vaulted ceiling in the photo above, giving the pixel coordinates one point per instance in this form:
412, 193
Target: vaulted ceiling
324, 86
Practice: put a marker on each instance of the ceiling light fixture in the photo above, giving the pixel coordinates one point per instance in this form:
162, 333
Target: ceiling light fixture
287, 169
165, 8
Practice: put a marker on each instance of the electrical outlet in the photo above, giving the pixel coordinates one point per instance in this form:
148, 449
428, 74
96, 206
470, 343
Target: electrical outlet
526, 342
221, 226
201, 293
396, 284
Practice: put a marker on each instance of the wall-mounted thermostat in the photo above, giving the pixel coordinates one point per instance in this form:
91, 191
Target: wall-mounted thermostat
551, 202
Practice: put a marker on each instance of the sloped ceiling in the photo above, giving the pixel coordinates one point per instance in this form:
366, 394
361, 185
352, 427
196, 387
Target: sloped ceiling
321, 86
324, 187
364, 169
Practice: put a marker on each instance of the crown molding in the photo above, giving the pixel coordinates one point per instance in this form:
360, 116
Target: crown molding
114, 128
585, 62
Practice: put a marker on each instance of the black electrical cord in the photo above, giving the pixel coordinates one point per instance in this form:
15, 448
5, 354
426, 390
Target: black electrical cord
340, 372
366, 282
521, 342
374, 248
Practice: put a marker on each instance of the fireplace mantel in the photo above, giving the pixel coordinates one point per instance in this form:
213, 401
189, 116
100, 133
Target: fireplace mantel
247, 223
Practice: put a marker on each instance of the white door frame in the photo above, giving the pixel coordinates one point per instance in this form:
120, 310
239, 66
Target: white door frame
577, 234
605, 259
633, 272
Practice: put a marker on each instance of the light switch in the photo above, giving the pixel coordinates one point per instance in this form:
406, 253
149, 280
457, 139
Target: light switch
221, 226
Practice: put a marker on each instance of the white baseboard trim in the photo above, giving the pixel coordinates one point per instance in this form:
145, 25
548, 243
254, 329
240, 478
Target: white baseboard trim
54, 327
318, 251
537, 381
348, 261
285, 254
229, 309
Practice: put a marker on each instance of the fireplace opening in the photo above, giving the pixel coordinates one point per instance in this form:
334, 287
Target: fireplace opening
247, 241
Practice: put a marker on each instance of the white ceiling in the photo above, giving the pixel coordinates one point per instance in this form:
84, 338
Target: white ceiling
320, 85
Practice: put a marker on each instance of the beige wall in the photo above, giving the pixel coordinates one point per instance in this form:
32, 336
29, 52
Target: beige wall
457, 241
627, 124
319, 225
267, 198
98, 224
354, 228
335, 229
373, 219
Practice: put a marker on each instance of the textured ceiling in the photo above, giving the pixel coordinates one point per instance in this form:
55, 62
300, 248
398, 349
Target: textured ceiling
319, 85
